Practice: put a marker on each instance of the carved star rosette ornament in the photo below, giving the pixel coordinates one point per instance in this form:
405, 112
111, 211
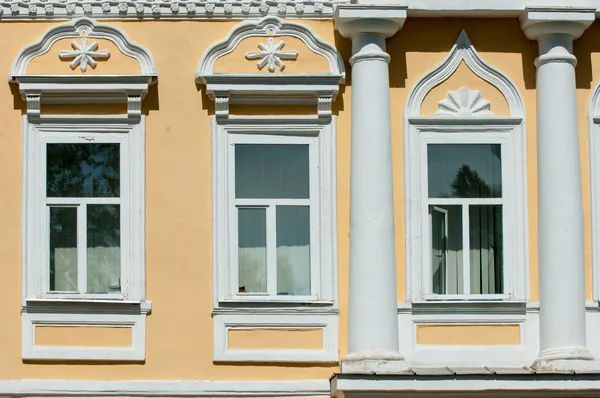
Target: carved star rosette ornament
272, 55
83, 54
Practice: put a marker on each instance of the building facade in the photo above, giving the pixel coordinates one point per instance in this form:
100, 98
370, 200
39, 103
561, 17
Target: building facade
300, 198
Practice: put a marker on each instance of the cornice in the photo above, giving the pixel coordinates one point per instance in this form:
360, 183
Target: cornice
165, 9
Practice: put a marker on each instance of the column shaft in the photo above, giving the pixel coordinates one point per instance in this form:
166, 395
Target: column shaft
373, 319
560, 214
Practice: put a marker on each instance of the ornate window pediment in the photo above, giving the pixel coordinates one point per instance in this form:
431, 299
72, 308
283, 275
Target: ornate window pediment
271, 61
83, 61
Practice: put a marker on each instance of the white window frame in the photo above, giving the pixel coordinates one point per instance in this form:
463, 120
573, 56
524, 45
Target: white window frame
320, 136
130, 137
504, 131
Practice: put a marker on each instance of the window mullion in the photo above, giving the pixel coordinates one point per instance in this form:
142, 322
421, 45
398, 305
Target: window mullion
82, 248
271, 250
466, 250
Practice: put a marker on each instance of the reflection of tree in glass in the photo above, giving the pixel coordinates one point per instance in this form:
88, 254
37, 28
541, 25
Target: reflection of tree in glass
82, 170
468, 184
485, 230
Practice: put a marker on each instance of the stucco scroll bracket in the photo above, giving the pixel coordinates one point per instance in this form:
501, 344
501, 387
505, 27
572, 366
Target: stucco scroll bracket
33, 104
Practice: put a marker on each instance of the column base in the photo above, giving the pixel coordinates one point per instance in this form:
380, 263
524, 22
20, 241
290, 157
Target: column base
374, 362
569, 360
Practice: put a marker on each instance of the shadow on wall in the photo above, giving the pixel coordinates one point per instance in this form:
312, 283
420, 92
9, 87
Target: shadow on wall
433, 35
583, 48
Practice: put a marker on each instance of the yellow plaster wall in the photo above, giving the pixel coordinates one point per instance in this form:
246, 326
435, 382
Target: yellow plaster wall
179, 337
275, 339
83, 336
468, 334
117, 64
178, 208
236, 62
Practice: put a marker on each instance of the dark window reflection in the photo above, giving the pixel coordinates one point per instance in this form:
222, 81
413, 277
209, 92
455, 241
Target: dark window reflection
464, 170
82, 170
103, 248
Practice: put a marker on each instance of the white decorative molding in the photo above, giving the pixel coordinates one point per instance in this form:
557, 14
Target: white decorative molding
509, 131
84, 54
272, 55
463, 51
464, 103
327, 323
129, 306
318, 311
281, 88
135, 352
83, 88
594, 132
166, 388
165, 10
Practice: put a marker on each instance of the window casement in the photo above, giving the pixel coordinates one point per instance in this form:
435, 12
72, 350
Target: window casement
85, 223
83, 194
274, 191
278, 243
467, 198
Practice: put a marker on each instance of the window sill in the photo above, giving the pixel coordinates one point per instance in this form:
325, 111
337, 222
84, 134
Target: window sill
454, 311
67, 305
275, 301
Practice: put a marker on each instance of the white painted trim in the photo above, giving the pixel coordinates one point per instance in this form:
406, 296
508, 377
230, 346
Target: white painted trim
594, 148
510, 130
136, 352
92, 29
234, 312
328, 323
36, 304
164, 388
272, 88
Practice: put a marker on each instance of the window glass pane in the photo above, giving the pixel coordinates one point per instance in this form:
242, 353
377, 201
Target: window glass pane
293, 250
63, 249
252, 250
271, 171
446, 249
464, 170
103, 249
486, 257
82, 170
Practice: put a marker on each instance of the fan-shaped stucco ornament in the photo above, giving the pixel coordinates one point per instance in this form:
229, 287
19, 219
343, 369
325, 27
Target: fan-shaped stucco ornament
464, 103
68, 88
272, 88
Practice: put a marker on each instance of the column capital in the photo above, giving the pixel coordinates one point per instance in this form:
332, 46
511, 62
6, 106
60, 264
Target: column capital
356, 19
540, 22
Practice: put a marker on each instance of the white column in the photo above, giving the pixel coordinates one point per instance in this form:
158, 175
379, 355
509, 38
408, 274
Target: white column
373, 316
560, 213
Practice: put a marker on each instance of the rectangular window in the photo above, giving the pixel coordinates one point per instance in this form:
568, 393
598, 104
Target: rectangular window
83, 198
466, 217
273, 208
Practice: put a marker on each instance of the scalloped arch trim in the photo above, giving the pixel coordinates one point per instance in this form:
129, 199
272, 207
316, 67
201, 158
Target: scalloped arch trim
262, 28
92, 29
463, 50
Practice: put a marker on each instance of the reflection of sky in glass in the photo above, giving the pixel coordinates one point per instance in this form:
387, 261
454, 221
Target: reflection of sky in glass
464, 170
82, 170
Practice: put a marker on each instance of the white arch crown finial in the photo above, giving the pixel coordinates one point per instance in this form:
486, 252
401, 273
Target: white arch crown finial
463, 51
464, 102
84, 28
